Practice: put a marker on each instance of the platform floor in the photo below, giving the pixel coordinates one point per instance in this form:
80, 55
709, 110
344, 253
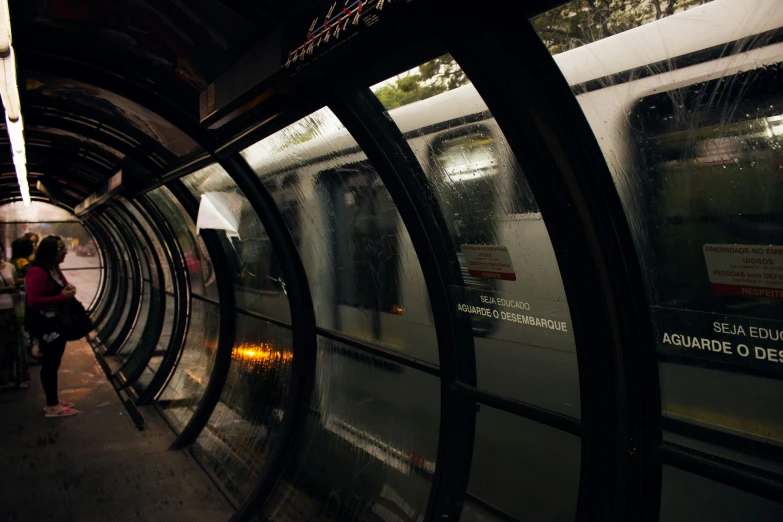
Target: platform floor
97, 465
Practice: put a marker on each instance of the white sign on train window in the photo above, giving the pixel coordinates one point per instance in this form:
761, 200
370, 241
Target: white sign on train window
745, 270
489, 261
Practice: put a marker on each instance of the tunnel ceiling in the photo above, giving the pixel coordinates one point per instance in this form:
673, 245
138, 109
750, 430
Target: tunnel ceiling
110, 84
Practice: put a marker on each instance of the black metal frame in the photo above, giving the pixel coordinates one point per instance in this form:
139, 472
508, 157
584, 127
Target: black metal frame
113, 311
98, 299
620, 478
108, 285
175, 260
386, 148
305, 341
225, 347
153, 327
134, 279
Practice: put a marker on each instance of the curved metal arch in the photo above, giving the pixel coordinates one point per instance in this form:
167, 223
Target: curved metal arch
117, 220
176, 261
217, 379
566, 170
121, 129
37, 139
133, 88
94, 134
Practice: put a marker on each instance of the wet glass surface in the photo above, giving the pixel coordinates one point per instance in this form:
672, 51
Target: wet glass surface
686, 497
123, 300
38, 211
186, 386
241, 432
157, 248
511, 288
258, 284
370, 444
692, 130
523, 468
87, 281
364, 276
51, 90
197, 261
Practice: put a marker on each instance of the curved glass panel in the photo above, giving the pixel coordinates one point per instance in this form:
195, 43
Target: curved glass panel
125, 296
197, 261
258, 284
36, 212
692, 131
87, 282
82, 264
160, 349
364, 276
157, 254
369, 447
686, 497
524, 469
511, 289
241, 432
186, 386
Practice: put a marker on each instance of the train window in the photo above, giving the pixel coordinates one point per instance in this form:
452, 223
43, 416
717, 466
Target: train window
510, 290
691, 130
365, 278
369, 446
258, 284
197, 261
521, 322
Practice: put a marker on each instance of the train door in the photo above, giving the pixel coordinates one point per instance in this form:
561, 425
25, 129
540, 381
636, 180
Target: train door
365, 248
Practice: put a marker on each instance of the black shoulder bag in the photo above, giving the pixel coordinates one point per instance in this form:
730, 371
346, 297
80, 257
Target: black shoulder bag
75, 320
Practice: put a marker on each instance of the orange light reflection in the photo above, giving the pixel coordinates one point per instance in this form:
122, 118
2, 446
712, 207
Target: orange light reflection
260, 353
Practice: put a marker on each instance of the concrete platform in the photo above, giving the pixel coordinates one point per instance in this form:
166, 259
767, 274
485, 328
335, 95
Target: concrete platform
97, 465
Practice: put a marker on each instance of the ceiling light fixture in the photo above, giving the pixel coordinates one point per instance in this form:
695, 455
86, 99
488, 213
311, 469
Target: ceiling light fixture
9, 92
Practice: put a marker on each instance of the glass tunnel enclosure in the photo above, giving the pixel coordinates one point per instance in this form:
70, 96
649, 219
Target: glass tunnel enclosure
469, 282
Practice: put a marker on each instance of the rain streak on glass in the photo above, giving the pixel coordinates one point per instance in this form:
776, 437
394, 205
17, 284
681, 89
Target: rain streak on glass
364, 276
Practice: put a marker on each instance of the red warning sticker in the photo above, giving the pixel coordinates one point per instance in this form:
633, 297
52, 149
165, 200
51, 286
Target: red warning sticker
745, 270
489, 261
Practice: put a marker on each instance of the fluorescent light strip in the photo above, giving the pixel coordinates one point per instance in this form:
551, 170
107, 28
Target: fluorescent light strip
9, 93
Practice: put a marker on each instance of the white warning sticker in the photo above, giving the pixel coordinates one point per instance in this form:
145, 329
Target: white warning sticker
489, 261
746, 270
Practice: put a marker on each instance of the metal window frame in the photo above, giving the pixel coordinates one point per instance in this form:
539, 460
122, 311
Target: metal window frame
134, 279
410, 189
621, 474
181, 282
305, 341
217, 379
153, 326
113, 312
109, 287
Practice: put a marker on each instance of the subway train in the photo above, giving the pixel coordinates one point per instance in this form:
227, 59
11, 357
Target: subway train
688, 166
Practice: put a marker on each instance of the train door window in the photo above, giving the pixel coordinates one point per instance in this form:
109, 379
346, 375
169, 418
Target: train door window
511, 291
521, 322
365, 279
687, 108
258, 286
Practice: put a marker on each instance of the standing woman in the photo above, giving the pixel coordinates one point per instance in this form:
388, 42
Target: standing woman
9, 327
21, 255
47, 293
